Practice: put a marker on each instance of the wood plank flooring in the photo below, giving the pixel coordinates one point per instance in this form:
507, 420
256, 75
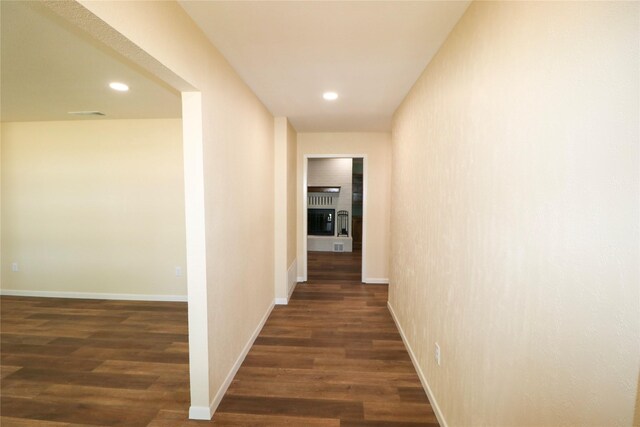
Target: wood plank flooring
331, 267
91, 362
332, 357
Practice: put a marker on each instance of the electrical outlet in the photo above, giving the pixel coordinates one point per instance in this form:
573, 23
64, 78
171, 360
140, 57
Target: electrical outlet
178, 271
436, 354
14, 266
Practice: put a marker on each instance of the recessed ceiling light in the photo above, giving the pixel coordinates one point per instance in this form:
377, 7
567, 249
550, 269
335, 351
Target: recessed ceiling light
330, 96
120, 87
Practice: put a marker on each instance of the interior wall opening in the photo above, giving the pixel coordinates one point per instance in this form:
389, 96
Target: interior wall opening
334, 214
93, 203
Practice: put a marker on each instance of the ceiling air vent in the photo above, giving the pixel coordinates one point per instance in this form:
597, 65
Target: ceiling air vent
86, 113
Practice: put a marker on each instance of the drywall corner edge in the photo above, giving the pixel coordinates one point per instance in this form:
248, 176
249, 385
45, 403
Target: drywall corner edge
291, 278
198, 310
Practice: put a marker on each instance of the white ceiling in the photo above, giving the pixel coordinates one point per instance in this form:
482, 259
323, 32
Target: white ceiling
289, 52
49, 68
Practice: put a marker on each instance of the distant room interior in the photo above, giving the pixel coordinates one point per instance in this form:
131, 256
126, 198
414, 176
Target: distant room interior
334, 217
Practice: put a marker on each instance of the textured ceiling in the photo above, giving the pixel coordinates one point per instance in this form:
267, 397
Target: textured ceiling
371, 53
49, 68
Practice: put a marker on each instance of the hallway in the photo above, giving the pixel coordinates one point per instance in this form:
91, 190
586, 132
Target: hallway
332, 357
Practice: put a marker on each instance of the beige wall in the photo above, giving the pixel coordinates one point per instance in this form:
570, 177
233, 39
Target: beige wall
93, 207
515, 215
376, 146
284, 218
1, 207
237, 160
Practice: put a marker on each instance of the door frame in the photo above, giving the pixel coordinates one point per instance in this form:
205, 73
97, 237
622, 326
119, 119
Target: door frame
305, 180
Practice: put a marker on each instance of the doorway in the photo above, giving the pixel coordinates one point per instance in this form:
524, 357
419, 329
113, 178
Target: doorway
334, 207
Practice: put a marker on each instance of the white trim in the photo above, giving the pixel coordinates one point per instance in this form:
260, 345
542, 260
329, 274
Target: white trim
423, 379
291, 283
376, 281
291, 278
93, 295
305, 180
234, 369
365, 198
195, 227
293, 288
300, 279
200, 413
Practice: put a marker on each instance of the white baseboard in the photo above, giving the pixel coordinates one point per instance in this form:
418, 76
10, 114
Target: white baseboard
200, 413
93, 295
234, 369
291, 278
376, 281
423, 379
291, 283
293, 288
300, 279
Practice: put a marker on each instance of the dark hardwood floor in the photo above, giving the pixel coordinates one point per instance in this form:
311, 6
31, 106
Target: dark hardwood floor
91, 362
332, 357
334, 267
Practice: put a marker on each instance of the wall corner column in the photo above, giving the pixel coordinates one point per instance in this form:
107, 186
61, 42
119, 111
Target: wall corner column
199, 360
280, 209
